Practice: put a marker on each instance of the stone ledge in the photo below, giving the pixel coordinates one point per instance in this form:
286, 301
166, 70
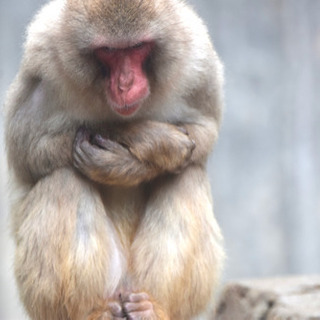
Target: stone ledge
291, 298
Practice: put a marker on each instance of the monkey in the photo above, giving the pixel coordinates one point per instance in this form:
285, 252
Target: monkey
108, 126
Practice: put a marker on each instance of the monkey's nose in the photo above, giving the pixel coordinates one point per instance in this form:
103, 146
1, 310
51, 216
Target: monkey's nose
125, 81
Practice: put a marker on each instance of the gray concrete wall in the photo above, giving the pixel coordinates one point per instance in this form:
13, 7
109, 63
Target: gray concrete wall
265, 169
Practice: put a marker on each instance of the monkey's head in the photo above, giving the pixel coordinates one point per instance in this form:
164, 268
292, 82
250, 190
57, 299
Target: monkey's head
127, 51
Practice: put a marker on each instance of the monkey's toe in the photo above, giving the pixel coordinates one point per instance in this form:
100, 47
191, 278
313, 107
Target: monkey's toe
137, 306
116, 311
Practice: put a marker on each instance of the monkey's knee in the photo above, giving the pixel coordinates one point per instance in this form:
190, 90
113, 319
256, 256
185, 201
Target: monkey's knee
64, 182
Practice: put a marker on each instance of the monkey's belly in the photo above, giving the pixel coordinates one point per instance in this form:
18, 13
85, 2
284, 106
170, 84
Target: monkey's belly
125, 207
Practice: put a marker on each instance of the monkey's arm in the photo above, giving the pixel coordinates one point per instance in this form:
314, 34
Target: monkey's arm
132, 153
162, 144
36, 157
38, 141
204, 132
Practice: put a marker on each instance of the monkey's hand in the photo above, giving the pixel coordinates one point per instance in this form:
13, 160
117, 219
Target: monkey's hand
163, 146
142, 306
138, 306
113, 311
106, 161
132, 153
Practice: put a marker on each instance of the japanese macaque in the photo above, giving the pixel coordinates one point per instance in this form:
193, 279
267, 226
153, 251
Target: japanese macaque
109, 124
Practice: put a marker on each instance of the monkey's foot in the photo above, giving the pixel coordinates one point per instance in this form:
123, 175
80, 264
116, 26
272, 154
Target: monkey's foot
114, 312
137, 306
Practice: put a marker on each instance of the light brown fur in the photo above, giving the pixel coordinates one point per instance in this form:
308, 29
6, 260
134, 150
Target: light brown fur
112, 217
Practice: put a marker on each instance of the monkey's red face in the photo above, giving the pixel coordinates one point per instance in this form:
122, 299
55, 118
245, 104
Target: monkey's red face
127, 84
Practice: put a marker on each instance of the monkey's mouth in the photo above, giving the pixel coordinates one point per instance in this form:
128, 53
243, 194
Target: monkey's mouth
126, 110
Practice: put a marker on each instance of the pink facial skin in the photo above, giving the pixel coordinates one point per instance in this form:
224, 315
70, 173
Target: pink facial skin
128, 84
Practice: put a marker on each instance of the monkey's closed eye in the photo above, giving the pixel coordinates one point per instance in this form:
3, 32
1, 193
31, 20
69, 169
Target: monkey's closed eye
138, 45
109, 49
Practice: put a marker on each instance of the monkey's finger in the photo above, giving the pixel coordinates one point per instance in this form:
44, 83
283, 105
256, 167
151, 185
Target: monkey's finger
149, 314
113, 147
139, 306
103, 143
136, 297
82, 134
80, 160
83, 150
85, 156
99, 141
116, 310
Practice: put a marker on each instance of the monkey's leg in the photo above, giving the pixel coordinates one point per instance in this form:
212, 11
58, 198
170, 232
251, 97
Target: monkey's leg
177, 254
68, 259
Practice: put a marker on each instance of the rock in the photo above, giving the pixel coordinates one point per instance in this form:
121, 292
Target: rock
271, 299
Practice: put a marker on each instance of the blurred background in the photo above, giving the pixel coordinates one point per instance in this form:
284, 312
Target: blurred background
265, 169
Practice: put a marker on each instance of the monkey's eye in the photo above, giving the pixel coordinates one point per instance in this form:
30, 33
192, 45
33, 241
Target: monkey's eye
138, 45
109, 50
